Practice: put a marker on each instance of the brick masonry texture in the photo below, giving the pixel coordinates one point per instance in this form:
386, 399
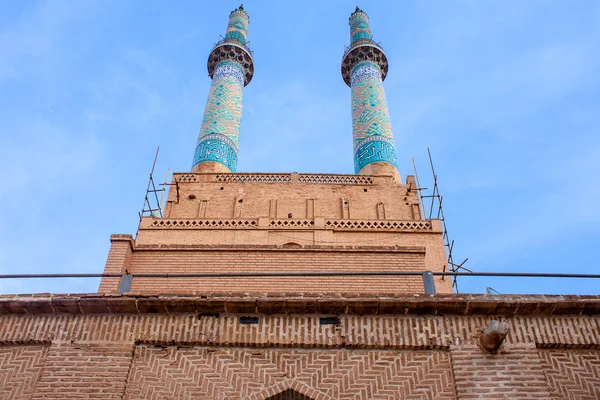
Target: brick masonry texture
231, 373
283, 223
572, 374
247, 261
20, 370
514, 373
85, 369
133, 347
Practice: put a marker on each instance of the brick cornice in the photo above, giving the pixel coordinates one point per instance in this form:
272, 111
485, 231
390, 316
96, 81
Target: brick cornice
298, 303
279, 248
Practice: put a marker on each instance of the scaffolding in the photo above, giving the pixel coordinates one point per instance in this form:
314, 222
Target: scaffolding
152, 204
436, 211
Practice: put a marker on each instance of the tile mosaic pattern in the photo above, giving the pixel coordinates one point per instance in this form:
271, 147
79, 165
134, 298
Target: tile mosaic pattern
359, 26
238, 26
220, 130
371, 127
218, 140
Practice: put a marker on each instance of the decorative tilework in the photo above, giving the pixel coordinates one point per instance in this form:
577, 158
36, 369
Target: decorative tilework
363, 71
359, 26
372, 131
230, 66
228, 69
235, 35
238, 25
361, 36
220, 130
217, 148
374, 149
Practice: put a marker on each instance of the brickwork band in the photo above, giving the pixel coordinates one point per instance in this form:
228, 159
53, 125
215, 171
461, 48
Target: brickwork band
364, 68
231, 67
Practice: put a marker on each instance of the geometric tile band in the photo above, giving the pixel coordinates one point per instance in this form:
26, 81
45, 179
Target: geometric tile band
371, 127
236, 373
238, 26
359, 26
374, 149
220, 131
217, 148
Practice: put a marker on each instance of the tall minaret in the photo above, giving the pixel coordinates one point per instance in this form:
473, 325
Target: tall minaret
364, 68
231, 67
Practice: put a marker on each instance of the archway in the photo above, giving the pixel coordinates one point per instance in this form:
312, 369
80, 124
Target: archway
289, 394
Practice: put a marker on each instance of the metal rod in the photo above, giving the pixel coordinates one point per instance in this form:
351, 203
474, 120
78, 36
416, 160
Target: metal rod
421, 203
295, 274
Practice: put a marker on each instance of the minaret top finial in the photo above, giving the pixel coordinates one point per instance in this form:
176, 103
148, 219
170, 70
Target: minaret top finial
357, 11
240, 10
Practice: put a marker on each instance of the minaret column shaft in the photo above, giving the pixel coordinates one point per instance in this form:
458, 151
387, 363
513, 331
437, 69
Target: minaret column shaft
371, 127
364, 68
219, 137
231, 68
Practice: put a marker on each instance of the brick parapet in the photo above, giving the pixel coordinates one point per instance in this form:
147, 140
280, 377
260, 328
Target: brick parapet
121, 248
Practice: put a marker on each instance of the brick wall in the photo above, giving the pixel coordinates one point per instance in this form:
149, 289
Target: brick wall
20, 369
105, 347
85, 370
278, 260
514, 373
333, 212
319, 198
232, 373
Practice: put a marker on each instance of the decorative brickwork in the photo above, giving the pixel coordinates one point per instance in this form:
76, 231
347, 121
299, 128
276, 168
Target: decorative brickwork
335, 179
572, 374
229, 373
379, 225
292, 223
144, 347
203, 223
292, 320
336, 224
20, 369
258, 178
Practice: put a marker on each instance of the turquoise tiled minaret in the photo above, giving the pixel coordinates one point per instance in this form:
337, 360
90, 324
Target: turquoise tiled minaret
364, 67
231, 67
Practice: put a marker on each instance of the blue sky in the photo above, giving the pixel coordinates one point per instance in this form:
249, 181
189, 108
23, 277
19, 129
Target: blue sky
505, 93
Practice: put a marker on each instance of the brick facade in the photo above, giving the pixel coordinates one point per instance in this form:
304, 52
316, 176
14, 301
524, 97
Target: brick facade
237, 222
384, 347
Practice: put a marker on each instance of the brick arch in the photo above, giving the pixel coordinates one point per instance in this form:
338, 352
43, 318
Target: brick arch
300, 388
289, 394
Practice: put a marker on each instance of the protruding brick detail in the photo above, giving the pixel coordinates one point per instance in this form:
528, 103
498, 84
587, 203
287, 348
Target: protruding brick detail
231, 373
118, 260
514, 373
20, 369
572, 374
